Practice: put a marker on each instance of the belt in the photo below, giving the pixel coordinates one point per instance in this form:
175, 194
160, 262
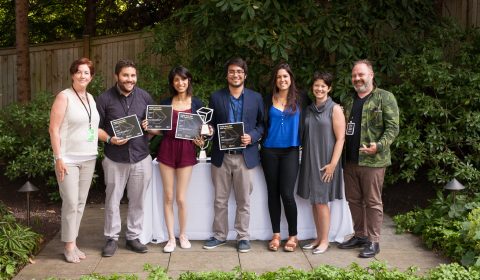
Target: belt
234, 152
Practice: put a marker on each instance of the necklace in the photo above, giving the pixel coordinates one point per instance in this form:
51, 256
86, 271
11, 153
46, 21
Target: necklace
182, 104
282, 102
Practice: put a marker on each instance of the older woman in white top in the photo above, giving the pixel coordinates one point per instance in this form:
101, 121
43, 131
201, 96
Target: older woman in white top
74, 138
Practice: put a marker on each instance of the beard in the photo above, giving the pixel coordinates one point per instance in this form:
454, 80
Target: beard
123, 88
363, 88
236, 85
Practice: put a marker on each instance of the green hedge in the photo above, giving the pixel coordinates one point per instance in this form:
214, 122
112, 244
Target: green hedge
430, 64
375, 271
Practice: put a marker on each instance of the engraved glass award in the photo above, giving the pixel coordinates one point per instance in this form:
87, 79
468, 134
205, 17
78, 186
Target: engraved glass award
206, 131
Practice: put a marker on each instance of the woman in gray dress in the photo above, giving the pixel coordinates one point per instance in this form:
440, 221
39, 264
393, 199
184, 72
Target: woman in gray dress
321, 177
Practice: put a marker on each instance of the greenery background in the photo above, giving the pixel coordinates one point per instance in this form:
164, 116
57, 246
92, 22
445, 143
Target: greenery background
428, 62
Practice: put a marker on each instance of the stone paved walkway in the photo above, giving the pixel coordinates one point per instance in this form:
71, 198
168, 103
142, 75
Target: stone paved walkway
401, 251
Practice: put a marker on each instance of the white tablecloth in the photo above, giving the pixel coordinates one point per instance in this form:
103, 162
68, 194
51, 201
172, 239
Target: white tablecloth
200, 196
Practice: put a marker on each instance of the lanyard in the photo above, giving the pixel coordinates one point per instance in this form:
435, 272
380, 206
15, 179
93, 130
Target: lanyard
357, 106
123, 97
89, 113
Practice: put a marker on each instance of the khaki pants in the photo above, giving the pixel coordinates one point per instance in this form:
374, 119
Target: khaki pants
136, 178
74, 191
363, 189
232, 174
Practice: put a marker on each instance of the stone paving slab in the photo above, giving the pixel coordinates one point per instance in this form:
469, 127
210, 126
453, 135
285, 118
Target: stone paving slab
264, 261
203, 261
130, 263
401, 251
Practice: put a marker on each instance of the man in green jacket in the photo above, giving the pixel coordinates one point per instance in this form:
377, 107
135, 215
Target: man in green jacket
372, 125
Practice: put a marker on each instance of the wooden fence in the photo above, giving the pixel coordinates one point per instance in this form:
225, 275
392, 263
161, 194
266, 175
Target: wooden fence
49, 63
466, 12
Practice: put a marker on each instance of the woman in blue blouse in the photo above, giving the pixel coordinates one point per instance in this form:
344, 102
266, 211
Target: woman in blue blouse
280, 152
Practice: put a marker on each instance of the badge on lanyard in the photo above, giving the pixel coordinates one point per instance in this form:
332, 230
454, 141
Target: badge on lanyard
90, 135
350, 128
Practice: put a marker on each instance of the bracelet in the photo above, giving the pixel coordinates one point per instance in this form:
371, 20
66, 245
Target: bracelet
57, 157
108, 139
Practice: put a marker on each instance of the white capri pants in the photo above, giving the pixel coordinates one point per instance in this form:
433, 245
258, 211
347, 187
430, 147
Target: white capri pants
74, 191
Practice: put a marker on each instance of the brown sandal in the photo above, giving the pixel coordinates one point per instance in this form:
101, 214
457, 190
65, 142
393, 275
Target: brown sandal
291, 244
274, 244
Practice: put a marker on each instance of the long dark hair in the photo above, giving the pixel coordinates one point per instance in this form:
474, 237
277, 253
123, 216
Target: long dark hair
185, 74
292, 96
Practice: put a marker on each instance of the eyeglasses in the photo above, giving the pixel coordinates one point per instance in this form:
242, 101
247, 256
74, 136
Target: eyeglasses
233, 72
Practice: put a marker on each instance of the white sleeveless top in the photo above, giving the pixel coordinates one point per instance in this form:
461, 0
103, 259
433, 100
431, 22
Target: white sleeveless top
74, 145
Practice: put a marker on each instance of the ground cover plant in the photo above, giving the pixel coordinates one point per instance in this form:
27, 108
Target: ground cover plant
375, 271
17, 244
449, 225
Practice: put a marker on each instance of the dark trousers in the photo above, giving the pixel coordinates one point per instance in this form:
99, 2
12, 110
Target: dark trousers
363, 188
280, 166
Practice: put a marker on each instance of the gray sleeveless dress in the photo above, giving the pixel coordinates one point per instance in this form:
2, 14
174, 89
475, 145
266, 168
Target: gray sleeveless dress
318, 143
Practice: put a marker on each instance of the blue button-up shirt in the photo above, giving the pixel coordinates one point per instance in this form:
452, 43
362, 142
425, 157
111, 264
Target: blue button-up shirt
236, 109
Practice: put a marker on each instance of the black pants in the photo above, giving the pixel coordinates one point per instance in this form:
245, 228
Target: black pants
280, 166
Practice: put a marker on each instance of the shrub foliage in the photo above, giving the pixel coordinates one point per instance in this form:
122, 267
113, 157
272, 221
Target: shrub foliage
17, 244
450, 224
427, 62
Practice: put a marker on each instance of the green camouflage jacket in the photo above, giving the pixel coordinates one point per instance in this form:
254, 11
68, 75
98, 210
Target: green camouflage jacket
380, 124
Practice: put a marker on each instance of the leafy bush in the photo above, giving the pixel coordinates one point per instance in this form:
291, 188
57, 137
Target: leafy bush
451, 225
452, 272
25, 140
440, 122
471, 231
17, 244
440, 139
308, 34
428, 63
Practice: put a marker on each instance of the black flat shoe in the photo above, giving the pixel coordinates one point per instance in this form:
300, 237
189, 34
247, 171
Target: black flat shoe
354, 242
370, 250
136, 246
110, 248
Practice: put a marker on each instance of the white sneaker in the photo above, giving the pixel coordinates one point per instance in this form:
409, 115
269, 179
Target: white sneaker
184, 243
170, 247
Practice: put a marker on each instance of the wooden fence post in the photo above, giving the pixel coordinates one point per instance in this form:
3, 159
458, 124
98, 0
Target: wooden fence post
86, 46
